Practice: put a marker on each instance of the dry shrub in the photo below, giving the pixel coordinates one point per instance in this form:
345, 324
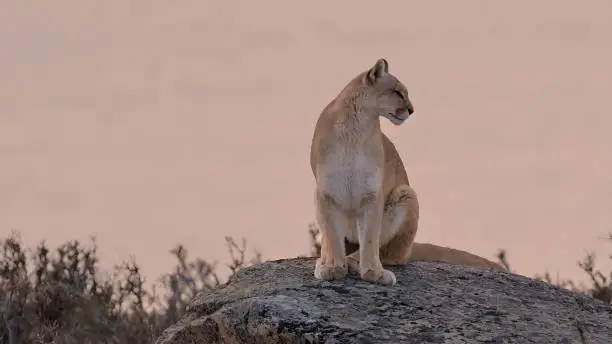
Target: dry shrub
61, 296
600, 286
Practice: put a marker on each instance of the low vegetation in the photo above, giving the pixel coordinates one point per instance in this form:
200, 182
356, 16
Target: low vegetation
62, 296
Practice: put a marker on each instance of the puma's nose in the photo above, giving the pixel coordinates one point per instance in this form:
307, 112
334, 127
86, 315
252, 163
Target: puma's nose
410, 109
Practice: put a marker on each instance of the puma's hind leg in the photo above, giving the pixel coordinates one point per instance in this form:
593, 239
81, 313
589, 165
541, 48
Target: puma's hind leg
399, 227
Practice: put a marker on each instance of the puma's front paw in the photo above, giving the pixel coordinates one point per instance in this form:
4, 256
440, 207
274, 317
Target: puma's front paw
379, 275
329, 272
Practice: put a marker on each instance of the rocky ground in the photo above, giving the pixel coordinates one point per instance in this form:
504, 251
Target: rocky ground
281, 302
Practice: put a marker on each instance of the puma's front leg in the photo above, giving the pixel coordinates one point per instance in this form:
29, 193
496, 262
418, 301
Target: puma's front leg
333, 225
369, 223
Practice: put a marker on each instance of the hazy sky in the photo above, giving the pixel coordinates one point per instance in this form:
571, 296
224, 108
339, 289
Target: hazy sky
148, 123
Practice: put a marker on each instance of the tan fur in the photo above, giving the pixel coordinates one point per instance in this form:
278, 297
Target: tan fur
430, 252
362, 190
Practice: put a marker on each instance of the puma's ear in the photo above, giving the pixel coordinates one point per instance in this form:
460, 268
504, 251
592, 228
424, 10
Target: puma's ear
380, 68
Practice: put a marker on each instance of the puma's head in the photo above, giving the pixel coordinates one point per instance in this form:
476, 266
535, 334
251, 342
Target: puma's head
382, 94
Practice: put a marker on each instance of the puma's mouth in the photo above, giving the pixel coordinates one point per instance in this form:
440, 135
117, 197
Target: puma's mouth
398, 117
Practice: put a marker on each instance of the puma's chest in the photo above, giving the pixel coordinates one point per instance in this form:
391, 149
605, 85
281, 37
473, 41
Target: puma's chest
350, 178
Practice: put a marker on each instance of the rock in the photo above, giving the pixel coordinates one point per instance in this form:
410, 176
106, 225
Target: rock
281, 302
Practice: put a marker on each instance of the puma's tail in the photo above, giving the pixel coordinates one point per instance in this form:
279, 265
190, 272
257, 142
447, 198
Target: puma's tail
430, 252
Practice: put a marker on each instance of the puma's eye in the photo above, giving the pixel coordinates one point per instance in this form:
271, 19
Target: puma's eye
398, 93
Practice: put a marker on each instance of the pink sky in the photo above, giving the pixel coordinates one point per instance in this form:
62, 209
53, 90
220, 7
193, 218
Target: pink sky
148, 123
